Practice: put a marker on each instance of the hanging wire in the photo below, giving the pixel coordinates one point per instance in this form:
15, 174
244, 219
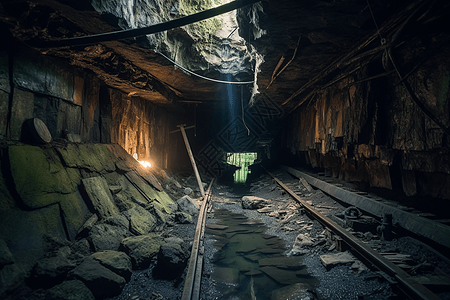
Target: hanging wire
203, 77
242, 105
382, 40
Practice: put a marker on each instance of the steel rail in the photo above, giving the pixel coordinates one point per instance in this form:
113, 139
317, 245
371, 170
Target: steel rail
429, 229
406, 283
191, 290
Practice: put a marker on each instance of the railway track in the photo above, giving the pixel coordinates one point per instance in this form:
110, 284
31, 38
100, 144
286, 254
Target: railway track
397, 277
406, 283
192, 285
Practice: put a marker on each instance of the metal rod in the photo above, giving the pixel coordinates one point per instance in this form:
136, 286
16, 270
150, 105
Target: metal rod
406, 283
191, 157
192, 283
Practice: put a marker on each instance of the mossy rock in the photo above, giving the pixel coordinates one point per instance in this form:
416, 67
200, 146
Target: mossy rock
95, 158
161, 197
39, 176
165, 201
6, 200
75, 213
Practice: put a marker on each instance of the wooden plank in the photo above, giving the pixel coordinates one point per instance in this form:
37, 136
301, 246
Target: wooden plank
434, 231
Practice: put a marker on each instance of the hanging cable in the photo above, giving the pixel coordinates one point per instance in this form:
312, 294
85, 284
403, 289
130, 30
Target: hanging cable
242, 105
203, 77
131, 33
382, 40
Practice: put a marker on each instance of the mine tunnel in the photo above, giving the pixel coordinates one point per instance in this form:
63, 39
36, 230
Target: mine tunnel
200, 149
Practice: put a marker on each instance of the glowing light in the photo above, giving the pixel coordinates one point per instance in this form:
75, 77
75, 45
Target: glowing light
145, 164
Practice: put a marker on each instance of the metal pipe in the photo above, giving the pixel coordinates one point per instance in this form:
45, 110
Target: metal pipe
130, 33
191, 157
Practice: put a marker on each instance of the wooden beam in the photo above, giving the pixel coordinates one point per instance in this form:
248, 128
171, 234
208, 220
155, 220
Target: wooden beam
429, 229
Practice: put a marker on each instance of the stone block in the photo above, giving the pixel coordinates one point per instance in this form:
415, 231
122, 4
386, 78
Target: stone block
4, 107
22, 110
94, 158
4, 72
118, 262
102, 282
70, 290
142, 249
107, 237
141, 221
100, 196
39, 177
331, 260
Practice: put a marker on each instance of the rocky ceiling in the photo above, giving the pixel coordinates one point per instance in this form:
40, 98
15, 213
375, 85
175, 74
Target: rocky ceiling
306, 45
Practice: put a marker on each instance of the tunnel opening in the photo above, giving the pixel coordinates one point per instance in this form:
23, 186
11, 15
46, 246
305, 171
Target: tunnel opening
241, 160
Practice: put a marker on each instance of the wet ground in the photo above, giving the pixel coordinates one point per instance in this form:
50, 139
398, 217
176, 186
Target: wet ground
247, 252
246, 249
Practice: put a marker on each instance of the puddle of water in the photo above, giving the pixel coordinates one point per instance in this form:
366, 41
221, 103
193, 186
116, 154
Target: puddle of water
249, 264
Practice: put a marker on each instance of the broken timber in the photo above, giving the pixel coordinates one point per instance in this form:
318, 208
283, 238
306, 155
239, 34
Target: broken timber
434, 231
191, 157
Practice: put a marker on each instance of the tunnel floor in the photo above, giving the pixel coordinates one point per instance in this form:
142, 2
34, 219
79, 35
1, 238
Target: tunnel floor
251, 253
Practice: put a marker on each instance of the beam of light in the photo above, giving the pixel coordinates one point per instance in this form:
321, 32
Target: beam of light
230, 98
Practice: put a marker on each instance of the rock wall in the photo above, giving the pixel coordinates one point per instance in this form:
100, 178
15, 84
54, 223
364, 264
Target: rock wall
208, 46
373, 132
81, 193
50, 193
76, 104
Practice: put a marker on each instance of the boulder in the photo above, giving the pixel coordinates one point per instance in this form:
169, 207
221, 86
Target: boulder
87, 226
100, 280
252, 202
183, 218
187, 191
188, 205
141, 221
142, 249
51, 270
106, 237
70, 290
173, 256
118, 262
119, 220
301, 245
100, 196
334, 259
6, 257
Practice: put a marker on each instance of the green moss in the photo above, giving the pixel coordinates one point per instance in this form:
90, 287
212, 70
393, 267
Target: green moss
165, 201
6, 200
205, 28
95, 158
73, 212
38, 177
48, 221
